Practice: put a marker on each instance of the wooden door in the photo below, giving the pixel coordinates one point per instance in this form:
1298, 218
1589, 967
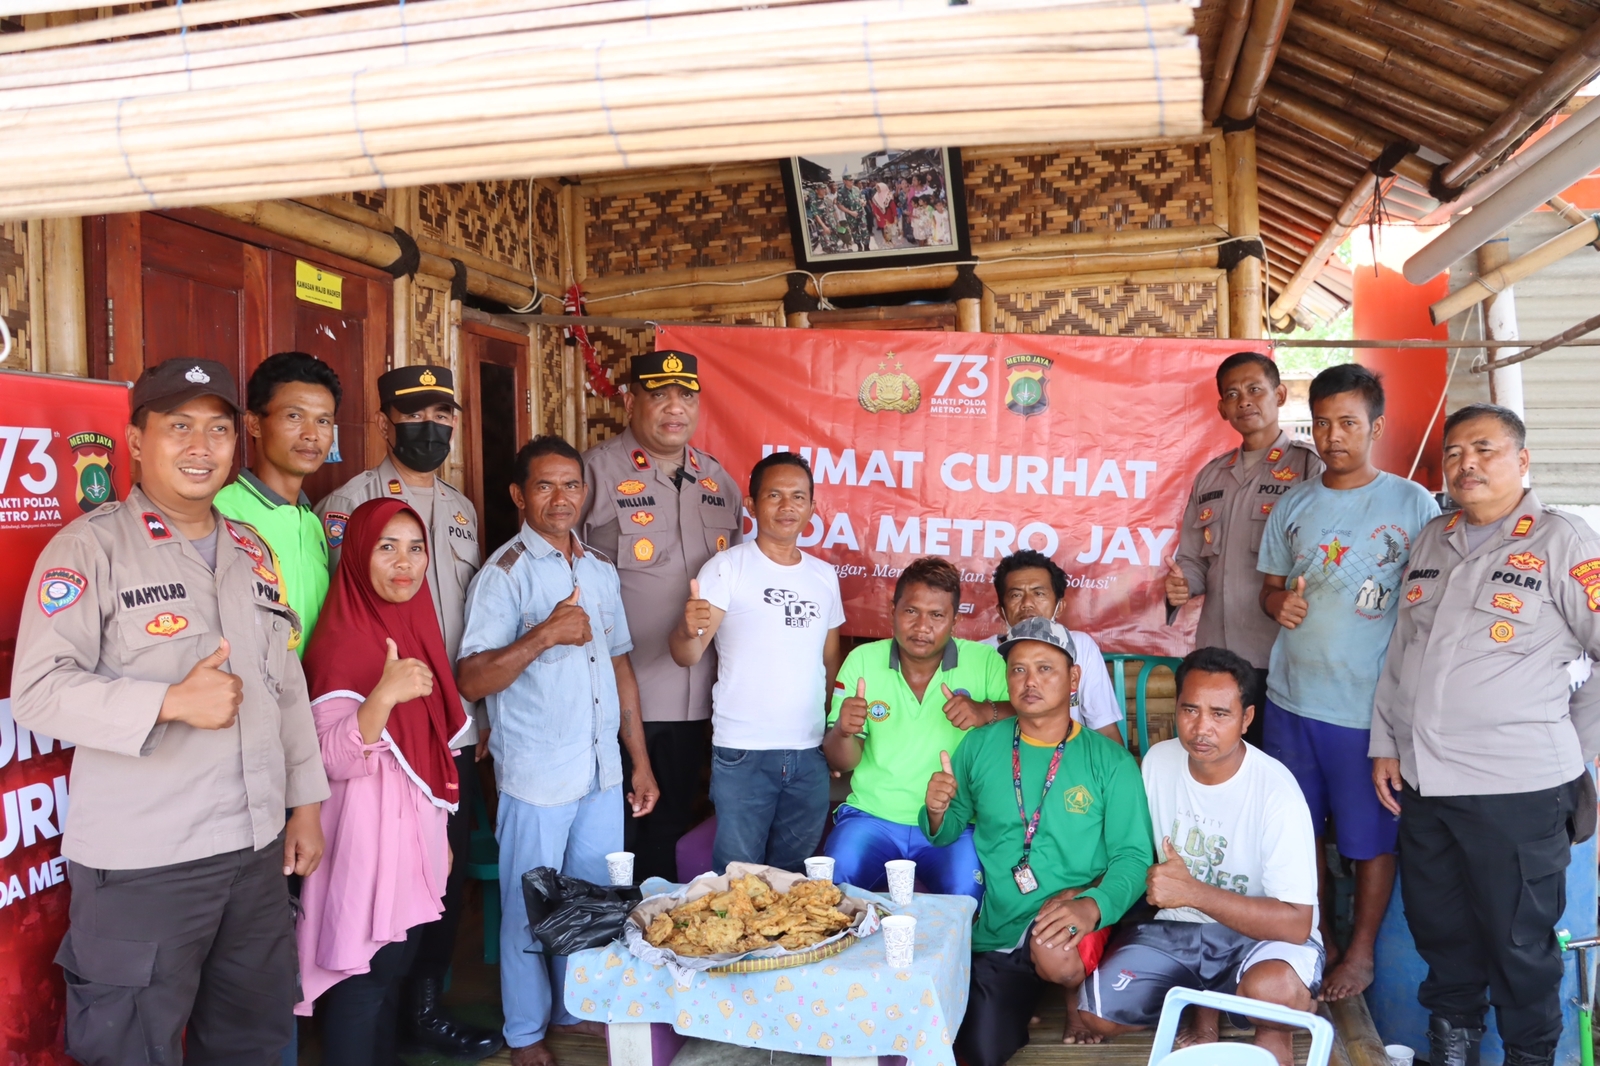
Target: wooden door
495, 423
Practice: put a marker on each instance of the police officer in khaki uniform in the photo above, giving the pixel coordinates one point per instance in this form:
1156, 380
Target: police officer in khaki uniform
156, 639
661, 507
1475, 746
419, 416
1220, 537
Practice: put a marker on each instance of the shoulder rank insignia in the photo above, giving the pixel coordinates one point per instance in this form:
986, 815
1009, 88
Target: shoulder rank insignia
1523, 527
1448, 526
395, 488
1274, 455
155, 526
641, 461
694, 463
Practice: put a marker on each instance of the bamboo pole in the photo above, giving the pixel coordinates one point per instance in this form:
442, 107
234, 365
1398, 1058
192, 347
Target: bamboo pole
1106, 241
159, 20
1350, 213
1565, 337
631, 184
1410, 105
402, 205
66, 336
1244, 213
36, 296
1288, 232
969, 315
1440, 35
1353, 136
1546, 37
1303, 148
1236, 21
1312, 185
1560, 246
609, 285
1268, 18
1356, 106
1286, 200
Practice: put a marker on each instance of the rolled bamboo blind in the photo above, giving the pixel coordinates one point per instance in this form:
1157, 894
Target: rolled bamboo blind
457, 90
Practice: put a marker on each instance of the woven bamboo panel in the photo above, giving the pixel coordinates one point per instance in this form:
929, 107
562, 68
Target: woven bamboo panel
741, 222
546, 230
488, 217
429, 321
613, 347
1016, 196
1177, 309
14, 291
547, 363
371, 199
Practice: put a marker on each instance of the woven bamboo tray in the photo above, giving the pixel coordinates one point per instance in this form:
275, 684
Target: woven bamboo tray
788, 962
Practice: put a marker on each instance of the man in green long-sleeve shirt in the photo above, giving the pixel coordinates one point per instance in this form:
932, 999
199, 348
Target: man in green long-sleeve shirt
1062, 830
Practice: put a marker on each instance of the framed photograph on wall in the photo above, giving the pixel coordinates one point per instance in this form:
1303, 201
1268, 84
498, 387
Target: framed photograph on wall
883, 208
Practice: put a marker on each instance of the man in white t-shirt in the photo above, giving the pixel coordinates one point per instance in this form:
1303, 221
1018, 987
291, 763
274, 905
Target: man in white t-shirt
1237, 890
1028, 584
775, 613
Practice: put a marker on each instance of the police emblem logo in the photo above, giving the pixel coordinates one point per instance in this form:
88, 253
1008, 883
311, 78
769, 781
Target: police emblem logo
166, 624
878, 711
59, 589
1502, 631
722, 542
884, 391
1523, 527
671, 364
155, 526
641, 518
1284, 475
709, 485
1025, 384
1525, 561
1274, 455
197, 376
1414, 593
265, 574
395, 488
1266, 508
1078, 799
1205, 515
644, 550
631, 487
1587, 574
92, 461
427, 378
641, 461
1506, 601
461, 519
334, 523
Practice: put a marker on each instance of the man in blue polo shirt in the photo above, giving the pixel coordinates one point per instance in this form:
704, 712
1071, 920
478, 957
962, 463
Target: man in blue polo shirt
896, 705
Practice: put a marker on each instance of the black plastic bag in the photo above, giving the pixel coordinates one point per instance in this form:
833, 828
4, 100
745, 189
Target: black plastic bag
567, 914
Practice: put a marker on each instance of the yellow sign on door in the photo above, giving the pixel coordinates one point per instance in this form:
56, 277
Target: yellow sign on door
316, 286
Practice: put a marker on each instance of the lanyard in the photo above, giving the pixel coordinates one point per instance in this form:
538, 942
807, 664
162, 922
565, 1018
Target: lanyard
1031, 825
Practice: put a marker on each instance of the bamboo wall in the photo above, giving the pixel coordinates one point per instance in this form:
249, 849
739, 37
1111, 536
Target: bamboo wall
14, 292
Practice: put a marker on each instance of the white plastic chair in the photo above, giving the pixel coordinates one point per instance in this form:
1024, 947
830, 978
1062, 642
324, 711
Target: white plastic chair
1233, 1053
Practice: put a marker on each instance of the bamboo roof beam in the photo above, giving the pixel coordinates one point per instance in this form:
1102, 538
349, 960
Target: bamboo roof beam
1293, 142
159, 20
1268, 18
1288, 226
1356, 137
1558, 247
1579, 64
1307, 182
1291, 197
1412, 25
1354, 105
1350, 213
1425, 113
1236, 20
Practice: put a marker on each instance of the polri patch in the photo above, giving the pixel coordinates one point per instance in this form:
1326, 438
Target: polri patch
709, 485
1205, 515
630, 487
1506, 601
1414, 593
644, 550
1525, 561
334, 523
1284, 475
642, 518
1502, 631
1587, 574
59, 589
166, 624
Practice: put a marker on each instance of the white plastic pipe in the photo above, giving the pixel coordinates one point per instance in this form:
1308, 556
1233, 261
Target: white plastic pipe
1564, 165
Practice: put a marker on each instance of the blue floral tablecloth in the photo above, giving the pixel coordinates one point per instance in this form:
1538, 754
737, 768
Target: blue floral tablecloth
849, 1005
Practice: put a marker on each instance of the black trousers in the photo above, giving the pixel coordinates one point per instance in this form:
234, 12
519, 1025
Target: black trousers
1256, 733
1484, 883
437, 942
680, 756
208, 942
1003, 991
361, 1015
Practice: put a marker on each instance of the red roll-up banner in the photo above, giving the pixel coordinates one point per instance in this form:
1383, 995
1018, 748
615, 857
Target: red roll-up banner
62, 454
971, 445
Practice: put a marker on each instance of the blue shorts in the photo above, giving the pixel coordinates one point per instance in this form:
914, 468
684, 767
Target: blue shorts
860, 844
1331, 764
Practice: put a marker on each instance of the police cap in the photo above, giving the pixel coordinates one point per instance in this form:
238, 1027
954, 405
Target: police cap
667, 367
167, 386
411, 388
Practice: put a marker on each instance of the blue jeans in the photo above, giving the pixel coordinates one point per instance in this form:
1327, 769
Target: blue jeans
771, 805
573, 838
861, 843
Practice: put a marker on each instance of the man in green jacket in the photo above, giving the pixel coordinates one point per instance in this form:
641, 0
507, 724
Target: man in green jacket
290, 405
1062, 830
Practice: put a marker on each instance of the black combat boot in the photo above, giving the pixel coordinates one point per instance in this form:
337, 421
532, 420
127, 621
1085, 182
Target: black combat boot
1524, 1056
429, 1028
1451, 1046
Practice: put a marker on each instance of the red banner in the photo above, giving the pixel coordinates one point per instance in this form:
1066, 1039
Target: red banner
66, 458
971, 445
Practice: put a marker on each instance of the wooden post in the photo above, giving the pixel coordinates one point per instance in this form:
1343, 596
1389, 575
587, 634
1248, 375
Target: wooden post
1244, 215
66, 327
36, 327
969, 315
1500, 324
403, 213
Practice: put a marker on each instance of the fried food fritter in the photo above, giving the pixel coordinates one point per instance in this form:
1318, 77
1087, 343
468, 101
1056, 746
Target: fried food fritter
750, 916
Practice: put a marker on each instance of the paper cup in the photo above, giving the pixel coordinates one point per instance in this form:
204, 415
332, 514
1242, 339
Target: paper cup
899, 939
619, 865
1399, 1054
819, 868
902, 875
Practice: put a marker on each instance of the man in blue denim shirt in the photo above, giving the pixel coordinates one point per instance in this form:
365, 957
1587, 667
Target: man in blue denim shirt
547, 644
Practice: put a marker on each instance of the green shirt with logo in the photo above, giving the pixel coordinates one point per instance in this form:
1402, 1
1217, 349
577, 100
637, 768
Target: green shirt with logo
903, 735
1095, 823
295, 534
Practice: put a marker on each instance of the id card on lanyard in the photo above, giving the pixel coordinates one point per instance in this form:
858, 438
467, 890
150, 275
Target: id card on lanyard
1022, 872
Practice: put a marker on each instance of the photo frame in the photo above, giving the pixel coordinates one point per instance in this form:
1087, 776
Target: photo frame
885, 208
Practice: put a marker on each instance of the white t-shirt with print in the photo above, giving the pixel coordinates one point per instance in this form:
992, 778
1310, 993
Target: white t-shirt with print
770, 675
1095, 704
1251, 834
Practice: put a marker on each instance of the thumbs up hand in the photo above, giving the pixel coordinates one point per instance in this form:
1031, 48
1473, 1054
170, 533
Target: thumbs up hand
403, 679
208, 697
1292, 605
963, 711
853, 711
568, 623
1169, 883
941, 791
1177, 584
696, 612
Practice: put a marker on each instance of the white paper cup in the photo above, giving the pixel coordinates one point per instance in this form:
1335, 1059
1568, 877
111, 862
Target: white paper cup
1399, 1054
899, 939
819, 868
619, 865
902, 875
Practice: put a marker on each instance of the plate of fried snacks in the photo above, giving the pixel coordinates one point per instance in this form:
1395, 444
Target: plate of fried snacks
751, 918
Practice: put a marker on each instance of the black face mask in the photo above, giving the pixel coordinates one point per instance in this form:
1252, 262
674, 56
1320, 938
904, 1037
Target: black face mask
422, 446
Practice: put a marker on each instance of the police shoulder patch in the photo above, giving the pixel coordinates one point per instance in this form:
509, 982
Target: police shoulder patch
334, 523
59, 588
